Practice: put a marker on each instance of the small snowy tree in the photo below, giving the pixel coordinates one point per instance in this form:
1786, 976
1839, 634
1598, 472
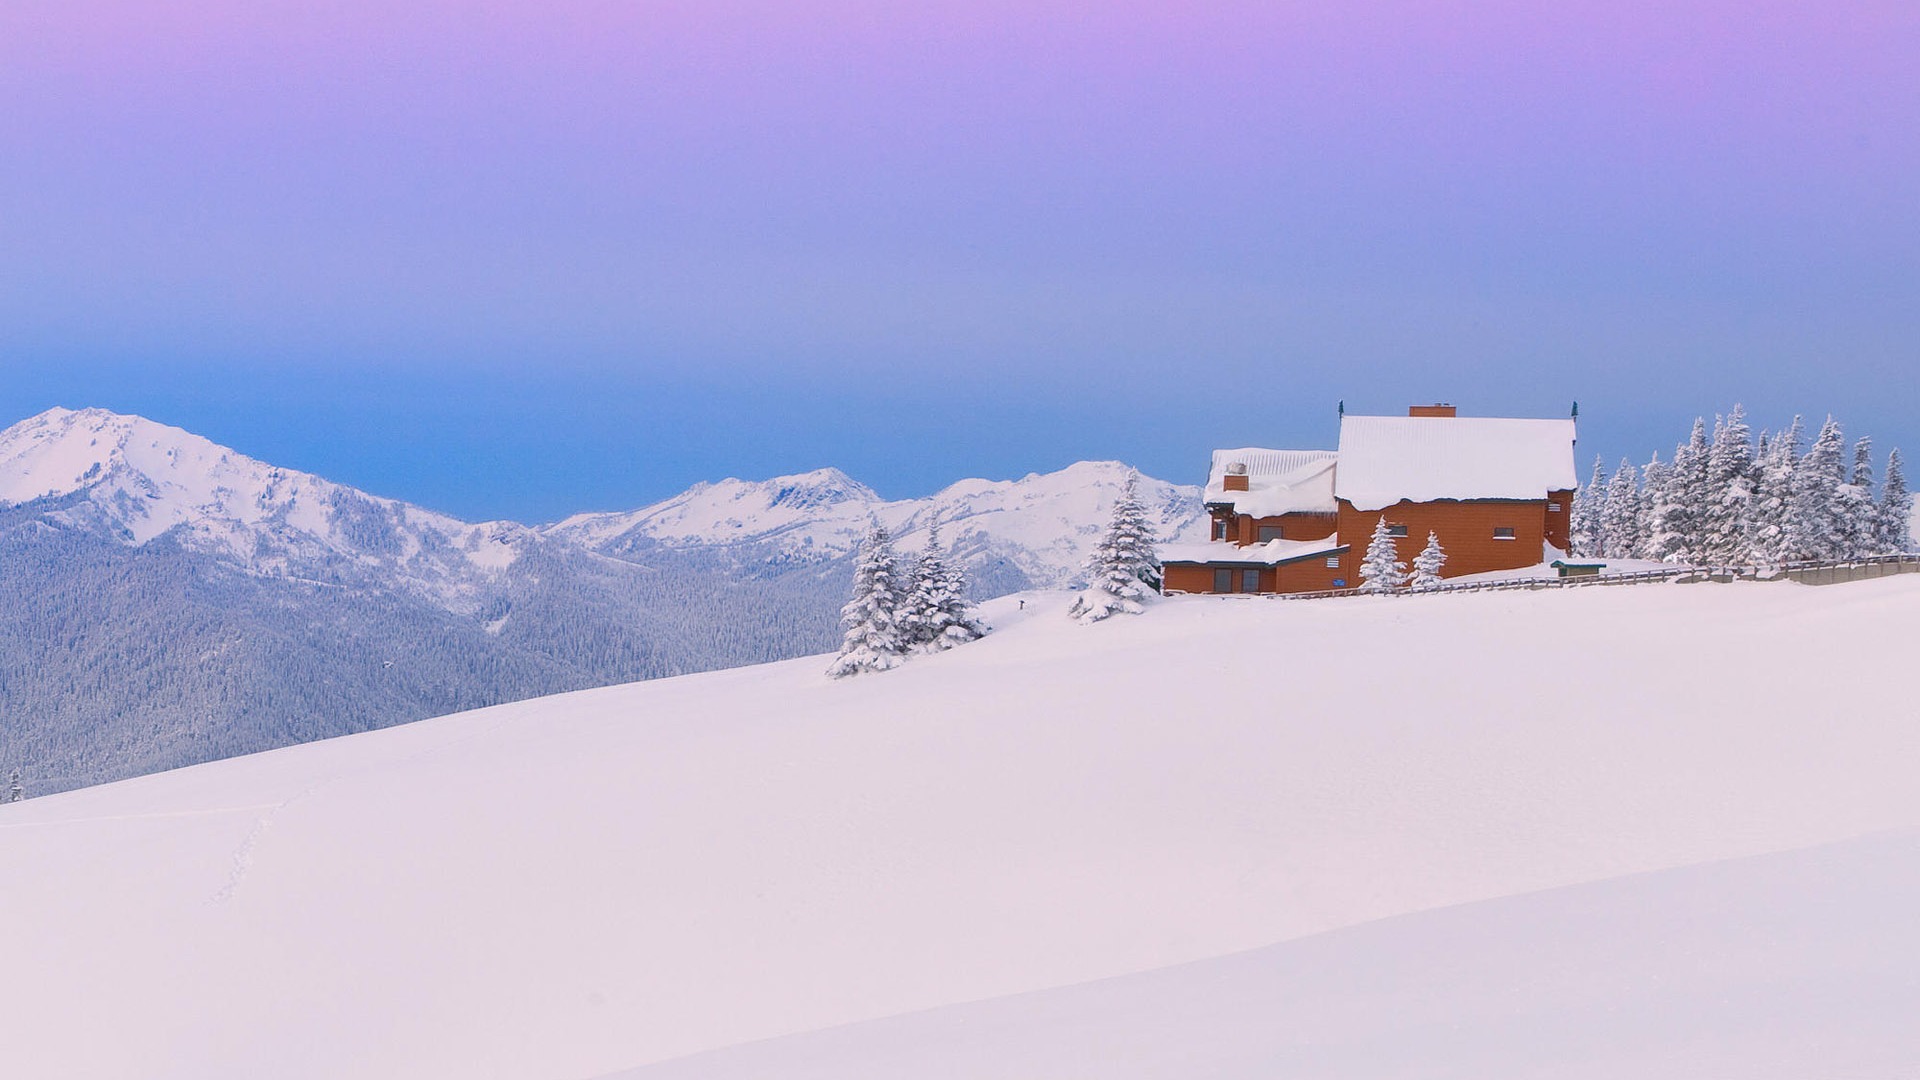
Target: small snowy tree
1767, 511
1858, 516
874, 639
1813, 511
1427, 564
1588, 536
1679, 503
1655, 476
1896, 509
1381, 570
1729, 486
15, 790
1620, 525
1124, 570
937, 614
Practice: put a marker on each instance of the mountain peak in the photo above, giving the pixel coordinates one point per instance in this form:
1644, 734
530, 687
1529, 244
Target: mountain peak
62, 451
138, 479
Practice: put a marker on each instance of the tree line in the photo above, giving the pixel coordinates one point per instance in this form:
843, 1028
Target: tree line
1730, 498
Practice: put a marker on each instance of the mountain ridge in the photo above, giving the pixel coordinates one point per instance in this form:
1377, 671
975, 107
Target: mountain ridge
154, 478
178, 601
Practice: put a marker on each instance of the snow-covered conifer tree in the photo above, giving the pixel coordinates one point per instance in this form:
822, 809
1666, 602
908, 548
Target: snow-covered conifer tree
1427, 564
1654, 476
1587, 533
1858, 515
1896, 509
1728, 489
1381, 569
1681, 510
1620, 526
913, 618
1767, 511
1124, 570
937, 614
874, 639
1813, 511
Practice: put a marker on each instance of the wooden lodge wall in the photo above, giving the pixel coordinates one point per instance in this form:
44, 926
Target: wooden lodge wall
1466, 530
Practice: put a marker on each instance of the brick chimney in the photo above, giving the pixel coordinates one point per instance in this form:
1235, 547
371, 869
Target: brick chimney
1432, 410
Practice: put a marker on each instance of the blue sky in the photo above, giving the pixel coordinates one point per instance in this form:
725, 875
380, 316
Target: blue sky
516, 260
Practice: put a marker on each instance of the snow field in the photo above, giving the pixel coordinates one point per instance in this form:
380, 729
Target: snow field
1779, 967
595, 882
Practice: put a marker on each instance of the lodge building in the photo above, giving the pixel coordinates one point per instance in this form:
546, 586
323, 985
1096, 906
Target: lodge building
1498, 492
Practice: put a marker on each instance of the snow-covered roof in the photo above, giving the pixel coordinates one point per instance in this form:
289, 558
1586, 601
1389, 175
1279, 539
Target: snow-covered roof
1278, 481
1271, 553
1384, 459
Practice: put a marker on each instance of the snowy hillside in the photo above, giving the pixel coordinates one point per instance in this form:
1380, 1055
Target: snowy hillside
140, 480
1043, 524
589, 884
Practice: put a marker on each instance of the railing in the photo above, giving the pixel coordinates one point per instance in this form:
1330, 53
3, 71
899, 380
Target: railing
1817, 572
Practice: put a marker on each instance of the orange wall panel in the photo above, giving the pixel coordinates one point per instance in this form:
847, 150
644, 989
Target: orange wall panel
1465, 530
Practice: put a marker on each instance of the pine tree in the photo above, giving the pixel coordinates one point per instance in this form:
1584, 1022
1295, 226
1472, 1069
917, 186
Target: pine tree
874, 639
1858, 518
1729, 487
15, 790
1620, 528
1813, 510
1683, 501
1427, 564
1124, 569
1381, 570
1654, 477
1896, 509
937, 614
1768, 510
1587, 536
915, 617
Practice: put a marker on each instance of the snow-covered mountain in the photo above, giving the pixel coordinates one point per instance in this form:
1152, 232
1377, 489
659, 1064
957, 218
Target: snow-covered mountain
1145, 849
174, 601
139, 480
1043, 524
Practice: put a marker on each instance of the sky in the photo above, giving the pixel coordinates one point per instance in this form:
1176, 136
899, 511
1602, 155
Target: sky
516, 260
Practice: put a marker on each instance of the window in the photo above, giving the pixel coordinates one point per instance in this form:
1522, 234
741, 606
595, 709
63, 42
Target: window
1249, 581
1503, 532
1269, 532
1219, 529
1396, 530
1553, 508
1223, 581
1333, 561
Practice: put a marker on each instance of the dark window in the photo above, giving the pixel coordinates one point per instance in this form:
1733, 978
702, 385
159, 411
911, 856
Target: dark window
1219, 530
1223, 581
1249, 581
1269, 532
1502, 532
1396, 530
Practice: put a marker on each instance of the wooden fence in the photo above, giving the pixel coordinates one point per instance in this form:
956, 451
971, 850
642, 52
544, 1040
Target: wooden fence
1807, 573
